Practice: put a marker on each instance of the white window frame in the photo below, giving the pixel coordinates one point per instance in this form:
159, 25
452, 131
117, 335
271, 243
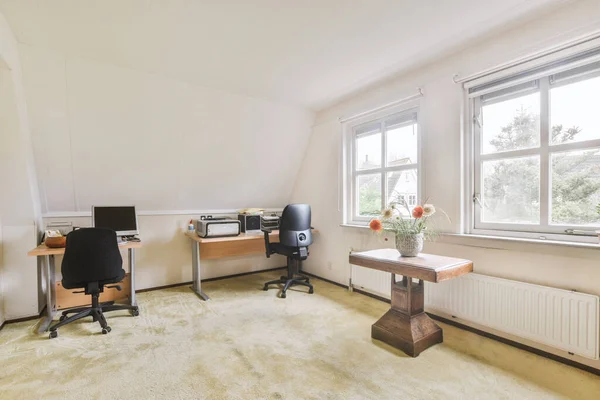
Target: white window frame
350, 174
543, 230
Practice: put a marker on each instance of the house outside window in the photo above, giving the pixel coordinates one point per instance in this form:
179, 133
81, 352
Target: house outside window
412, 200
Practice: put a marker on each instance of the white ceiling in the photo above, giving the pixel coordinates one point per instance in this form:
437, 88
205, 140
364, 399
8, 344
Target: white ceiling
309, 53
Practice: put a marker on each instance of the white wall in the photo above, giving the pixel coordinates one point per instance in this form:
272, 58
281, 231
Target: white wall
561, 267
109, 135
19, 202
2, 318
16, 203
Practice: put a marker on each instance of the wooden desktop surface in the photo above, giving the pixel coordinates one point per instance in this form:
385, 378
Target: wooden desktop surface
229, 246
43, 250
429, 267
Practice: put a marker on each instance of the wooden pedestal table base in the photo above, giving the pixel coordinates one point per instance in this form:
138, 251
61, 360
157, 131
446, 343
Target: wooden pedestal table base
406, 326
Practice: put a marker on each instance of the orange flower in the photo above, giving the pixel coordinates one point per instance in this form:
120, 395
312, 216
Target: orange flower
418, 212
375, 225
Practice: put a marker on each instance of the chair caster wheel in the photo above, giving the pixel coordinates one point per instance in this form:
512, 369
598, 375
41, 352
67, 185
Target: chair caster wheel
265, 288
53, 334
311, 291
106, 330
134, 313
282, 295
62, 318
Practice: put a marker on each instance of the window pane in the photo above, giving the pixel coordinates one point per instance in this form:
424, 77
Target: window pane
402, 187
574, 111
401, 145
368, 151
576, 187
369, 195
511, 190
511, 125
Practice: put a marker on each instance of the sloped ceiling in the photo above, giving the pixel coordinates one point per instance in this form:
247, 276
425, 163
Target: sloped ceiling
107, 135
308, 53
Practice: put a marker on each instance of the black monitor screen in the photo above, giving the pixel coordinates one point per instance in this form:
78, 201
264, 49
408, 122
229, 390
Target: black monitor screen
120, 219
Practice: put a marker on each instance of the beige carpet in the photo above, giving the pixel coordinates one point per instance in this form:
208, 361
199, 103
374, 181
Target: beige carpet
248, 344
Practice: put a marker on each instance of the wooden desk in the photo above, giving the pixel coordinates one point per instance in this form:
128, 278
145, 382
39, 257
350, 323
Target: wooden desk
212, 248
406, 326
48, 254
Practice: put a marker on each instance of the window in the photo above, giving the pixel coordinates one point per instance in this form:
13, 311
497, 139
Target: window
537, 152
383, 166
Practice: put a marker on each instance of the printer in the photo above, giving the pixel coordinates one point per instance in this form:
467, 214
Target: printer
217, 227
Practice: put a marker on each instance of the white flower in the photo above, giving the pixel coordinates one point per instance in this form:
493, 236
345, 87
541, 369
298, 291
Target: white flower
428, 210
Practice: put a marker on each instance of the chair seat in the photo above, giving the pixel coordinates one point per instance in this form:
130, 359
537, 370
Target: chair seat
79, 285
284, 250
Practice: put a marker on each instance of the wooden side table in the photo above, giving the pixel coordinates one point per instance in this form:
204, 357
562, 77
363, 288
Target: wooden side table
406, 326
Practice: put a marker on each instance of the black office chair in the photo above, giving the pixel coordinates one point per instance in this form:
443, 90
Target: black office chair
294, 238
92, 260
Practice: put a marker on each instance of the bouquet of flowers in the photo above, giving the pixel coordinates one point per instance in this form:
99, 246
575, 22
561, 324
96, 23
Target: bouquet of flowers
410, 226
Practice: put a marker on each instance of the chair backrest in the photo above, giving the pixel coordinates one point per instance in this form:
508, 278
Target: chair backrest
294, 226
91, 255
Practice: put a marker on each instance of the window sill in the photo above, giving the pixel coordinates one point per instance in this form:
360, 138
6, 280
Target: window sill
354, 226
499, 242
509, 243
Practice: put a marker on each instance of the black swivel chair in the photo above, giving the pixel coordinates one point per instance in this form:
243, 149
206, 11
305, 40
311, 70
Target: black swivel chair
92, 260
294, 238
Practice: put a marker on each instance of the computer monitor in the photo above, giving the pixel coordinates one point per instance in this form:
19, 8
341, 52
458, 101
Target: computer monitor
123, 220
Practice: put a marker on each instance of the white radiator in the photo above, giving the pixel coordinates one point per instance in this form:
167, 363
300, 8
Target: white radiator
559, 318
371, 280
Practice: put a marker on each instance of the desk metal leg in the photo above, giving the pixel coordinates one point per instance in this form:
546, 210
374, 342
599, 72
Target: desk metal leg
197, 285
50, 294
131, 256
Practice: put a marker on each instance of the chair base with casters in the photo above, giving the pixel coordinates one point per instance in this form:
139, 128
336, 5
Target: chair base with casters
293, 278
96, 310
